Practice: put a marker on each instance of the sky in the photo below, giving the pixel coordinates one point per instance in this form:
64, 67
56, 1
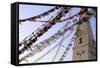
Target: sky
26, 28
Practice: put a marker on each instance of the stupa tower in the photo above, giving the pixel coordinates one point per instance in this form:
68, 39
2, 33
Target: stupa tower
84, 44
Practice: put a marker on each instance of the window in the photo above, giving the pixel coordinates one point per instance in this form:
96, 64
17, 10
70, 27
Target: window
80, 40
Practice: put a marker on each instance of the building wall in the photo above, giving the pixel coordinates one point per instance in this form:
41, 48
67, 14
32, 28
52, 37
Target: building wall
84, 44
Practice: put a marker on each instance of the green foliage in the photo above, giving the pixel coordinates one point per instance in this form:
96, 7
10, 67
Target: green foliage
78, 32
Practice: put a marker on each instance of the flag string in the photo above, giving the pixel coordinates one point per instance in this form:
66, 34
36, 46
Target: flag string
39, 33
